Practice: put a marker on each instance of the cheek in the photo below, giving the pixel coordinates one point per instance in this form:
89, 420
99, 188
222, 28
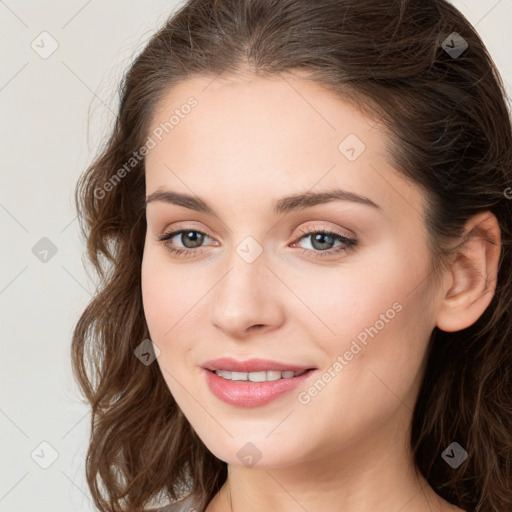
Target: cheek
161, 292
167, 308
373, 363
174, 309
368, 289
376, 316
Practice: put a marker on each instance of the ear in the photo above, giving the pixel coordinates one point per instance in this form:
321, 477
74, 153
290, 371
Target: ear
471, 278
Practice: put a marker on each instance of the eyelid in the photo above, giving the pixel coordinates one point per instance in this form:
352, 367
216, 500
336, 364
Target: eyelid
308, 229
347, 242
184, 226
313, 228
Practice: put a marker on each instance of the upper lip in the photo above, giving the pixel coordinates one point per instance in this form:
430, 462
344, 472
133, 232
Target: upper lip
251, 365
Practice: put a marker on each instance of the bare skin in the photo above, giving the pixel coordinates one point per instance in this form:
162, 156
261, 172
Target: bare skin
249, 142
426, 500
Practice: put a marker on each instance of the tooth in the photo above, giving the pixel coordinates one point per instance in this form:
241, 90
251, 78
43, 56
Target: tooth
262, 376
238, 375
257, 376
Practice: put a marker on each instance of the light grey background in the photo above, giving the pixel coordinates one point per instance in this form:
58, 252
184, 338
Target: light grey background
55, 111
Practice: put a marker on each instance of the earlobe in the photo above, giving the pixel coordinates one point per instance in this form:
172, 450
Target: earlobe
473, 273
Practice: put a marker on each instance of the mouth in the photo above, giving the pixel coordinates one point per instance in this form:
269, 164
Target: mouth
230, 365
256, 390
262, 376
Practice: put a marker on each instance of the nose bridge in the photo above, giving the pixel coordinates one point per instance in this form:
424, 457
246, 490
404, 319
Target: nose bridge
243, 297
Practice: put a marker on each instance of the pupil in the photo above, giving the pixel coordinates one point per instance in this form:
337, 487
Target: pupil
192, 236
319, 238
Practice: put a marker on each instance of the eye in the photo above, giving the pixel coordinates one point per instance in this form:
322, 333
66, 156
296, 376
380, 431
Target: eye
190, 238
320, 240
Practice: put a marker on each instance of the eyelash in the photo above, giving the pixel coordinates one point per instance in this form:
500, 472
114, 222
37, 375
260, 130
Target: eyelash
349, 243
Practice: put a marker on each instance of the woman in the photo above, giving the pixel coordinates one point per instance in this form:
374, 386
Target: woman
305, 305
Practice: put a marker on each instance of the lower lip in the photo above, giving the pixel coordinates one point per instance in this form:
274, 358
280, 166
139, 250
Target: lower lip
252, 394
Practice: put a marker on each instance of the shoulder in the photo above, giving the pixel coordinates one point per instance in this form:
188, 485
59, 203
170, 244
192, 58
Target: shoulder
187, 504
449, 507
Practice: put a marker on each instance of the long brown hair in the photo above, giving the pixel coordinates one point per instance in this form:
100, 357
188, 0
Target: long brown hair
451, 134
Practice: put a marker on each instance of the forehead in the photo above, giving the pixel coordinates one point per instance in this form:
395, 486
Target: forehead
266, 134
275, 110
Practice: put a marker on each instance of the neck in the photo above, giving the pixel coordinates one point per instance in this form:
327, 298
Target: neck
366, 476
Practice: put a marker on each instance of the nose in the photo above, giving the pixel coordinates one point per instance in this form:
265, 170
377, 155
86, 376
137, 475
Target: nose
247, 299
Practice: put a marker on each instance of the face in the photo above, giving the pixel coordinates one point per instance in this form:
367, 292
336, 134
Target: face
340, 286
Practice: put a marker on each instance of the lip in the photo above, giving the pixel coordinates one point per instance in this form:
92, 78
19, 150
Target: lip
252, 394
251, 365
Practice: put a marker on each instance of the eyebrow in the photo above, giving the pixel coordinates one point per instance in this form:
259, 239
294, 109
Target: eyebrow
284, 205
